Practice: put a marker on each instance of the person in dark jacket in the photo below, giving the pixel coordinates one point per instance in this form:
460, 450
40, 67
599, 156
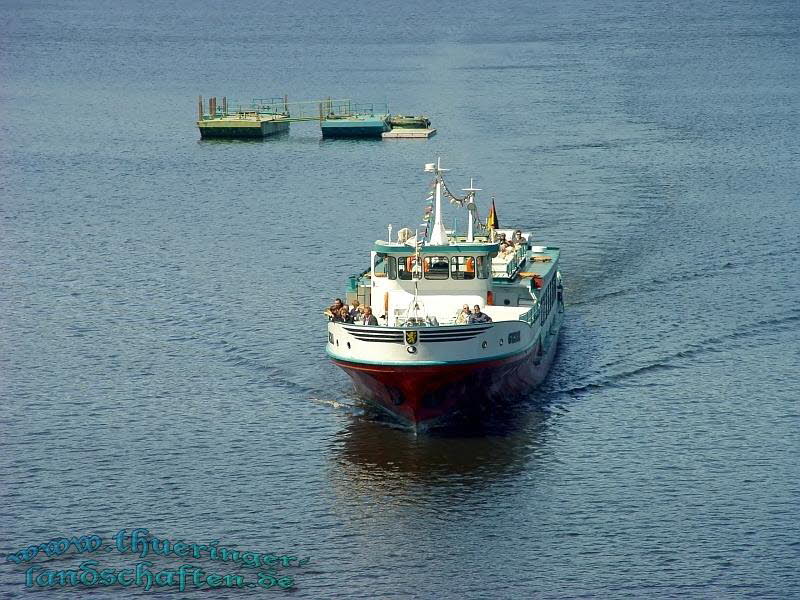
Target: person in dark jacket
332, 312
479, 317
369, 318
343, 316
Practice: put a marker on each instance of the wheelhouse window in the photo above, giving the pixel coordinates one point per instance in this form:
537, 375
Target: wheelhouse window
482, 264
436, 267
380, 269
462, 267
407, 268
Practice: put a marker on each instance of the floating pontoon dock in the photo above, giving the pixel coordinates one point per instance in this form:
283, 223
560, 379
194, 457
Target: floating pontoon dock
404, 132
264, 117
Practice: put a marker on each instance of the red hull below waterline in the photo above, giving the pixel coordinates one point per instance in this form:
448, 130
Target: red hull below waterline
422, 396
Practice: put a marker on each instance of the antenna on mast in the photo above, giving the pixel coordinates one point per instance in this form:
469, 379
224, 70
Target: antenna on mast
471, 209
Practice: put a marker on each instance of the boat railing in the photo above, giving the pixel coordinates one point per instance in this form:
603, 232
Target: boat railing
512, 264
531, 316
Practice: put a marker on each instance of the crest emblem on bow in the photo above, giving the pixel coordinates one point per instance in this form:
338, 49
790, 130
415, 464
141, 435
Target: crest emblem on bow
411, 337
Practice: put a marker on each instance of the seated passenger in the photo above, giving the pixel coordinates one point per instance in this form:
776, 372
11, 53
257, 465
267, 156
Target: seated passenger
506, 248
368, 318
517, 238
479, 317
431, 321
462, 318
342, 315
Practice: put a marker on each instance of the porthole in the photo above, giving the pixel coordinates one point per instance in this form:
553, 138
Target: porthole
484, 344
337, 342
348, 345
411, 349
501, 341
506, 301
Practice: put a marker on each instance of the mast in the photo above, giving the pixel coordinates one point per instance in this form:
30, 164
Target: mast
438, 233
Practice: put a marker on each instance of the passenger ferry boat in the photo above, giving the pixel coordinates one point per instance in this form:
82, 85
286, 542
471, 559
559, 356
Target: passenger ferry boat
420, 364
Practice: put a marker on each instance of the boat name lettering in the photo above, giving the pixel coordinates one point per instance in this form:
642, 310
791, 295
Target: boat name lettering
513, 337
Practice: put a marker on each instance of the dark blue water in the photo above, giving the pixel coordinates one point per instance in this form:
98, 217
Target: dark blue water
162, 345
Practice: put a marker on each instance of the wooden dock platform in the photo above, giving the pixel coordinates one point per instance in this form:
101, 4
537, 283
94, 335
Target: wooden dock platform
401, 132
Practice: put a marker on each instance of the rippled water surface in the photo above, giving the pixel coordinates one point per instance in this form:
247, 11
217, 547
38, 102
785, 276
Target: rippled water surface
162, 347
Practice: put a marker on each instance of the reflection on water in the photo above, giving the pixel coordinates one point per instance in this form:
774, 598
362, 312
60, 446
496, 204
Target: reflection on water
370, 457
274, 137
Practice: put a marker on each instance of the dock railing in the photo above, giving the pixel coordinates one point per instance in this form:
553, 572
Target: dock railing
370, 108
305, 110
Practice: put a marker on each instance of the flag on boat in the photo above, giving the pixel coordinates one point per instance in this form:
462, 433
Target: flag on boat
491, 220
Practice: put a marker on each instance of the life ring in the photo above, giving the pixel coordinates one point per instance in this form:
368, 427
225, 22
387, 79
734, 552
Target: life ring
470, 265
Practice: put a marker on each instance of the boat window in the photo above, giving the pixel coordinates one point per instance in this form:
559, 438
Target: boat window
483, 267
406, 268
391, 267
436, 267
380, 265
462, 267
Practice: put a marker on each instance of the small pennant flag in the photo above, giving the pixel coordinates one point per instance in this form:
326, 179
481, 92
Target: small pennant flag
491, 221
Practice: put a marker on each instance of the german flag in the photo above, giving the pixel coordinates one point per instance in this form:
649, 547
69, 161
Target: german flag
492, 221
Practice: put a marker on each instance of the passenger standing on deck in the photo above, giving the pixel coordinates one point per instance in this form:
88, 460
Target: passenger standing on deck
479, 317
369, 318
333, 310
355, 311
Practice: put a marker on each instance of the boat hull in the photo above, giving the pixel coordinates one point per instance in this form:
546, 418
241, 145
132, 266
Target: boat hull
429, 395
367, 127
409, 122
229, 129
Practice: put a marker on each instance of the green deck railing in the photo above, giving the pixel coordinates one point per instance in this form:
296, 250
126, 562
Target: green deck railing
530, 317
